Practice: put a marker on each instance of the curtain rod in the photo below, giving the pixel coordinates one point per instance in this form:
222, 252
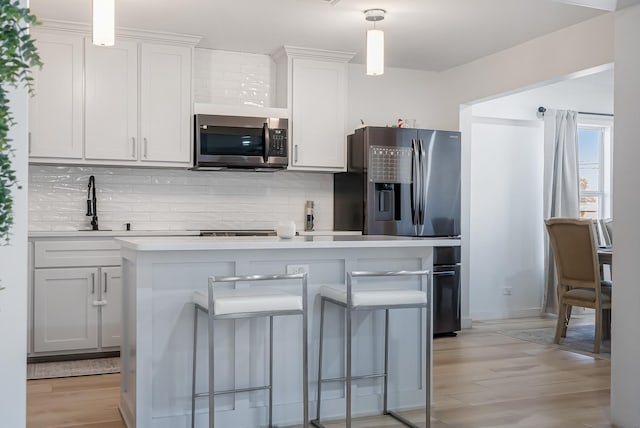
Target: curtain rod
543, 109
595, 114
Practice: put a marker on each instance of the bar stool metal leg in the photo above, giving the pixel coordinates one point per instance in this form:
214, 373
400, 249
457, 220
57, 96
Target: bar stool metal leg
305, 356
212, 407
349, 340
270, 371
386, 361
193, 378
320, 349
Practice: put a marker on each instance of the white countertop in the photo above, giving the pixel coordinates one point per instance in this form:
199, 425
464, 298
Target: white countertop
200, 243
110, 233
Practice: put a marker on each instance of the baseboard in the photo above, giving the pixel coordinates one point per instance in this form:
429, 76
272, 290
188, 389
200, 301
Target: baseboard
126, 414
520, 313
72, 357
466, 323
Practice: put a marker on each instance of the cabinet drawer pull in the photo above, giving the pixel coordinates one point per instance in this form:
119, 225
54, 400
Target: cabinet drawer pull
93, 283
105, 282
99, 302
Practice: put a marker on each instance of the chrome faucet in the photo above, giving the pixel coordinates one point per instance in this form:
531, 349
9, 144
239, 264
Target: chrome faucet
92, 203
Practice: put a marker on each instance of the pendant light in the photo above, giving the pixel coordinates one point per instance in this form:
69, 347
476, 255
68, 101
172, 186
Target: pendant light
375, 43
103, 22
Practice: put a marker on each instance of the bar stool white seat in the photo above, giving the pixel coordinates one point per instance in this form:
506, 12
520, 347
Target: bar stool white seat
375, 299
252, 302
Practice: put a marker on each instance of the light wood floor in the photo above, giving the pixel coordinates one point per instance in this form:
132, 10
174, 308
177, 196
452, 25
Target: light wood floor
481, 379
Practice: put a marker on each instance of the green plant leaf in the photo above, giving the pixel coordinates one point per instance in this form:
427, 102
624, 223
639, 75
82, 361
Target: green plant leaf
18, 54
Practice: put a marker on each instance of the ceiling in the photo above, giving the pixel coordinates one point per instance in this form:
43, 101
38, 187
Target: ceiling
420, 34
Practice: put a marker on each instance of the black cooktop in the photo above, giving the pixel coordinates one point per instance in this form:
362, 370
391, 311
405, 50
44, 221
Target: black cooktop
237, 233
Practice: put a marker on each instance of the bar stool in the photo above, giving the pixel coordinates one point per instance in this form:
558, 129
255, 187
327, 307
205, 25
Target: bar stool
375, 299
252, 302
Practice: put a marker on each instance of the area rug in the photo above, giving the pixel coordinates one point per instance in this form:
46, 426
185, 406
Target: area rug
73, 368
579, 338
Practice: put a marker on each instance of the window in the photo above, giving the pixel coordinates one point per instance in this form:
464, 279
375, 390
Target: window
594, 163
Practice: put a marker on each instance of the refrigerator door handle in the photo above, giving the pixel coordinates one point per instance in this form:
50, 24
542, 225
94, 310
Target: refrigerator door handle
444, 273
415, 182
423, 180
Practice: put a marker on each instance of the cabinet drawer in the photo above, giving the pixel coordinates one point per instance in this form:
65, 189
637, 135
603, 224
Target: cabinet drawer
76, 253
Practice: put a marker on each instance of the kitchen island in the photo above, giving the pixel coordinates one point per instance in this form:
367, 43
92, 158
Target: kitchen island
160, 274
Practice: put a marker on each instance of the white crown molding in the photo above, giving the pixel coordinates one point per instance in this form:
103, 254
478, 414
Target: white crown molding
326, 55
128, 33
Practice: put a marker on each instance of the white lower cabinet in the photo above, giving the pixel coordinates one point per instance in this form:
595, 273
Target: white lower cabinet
64, 316
111, 289
76, 309
76, 296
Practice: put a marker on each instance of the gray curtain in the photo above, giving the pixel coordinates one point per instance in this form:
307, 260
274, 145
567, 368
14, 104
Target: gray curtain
561, 181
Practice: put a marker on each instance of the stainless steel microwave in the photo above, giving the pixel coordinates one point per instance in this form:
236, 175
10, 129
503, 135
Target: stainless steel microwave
240, 142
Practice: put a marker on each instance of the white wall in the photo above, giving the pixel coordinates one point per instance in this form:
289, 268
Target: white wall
592, 93
547, 59
505, 245
13, 273
411, 95
168, 199
625, 358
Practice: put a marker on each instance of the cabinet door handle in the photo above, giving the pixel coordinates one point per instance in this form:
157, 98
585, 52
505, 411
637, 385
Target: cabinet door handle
295, 153
93, 283
29, 142
105, 282
133, 147
146, 145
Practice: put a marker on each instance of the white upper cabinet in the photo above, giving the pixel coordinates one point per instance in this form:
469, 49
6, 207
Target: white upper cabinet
55, 111
128, 104
318, 114
166, 103
316, 93
111, 97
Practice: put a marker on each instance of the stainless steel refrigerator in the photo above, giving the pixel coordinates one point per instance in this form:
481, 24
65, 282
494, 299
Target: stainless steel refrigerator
404, 181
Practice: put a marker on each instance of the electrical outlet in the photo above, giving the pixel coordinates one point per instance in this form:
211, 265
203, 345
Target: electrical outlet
293, 269
507, 291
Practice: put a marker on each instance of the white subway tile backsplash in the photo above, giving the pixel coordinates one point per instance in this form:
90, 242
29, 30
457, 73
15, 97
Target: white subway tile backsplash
159, 199
234, 78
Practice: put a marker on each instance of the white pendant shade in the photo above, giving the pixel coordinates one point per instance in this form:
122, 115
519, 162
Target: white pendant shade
375, 52
103, 22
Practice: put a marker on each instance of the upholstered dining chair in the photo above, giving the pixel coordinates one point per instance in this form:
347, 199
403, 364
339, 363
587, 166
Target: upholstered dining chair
577, 269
